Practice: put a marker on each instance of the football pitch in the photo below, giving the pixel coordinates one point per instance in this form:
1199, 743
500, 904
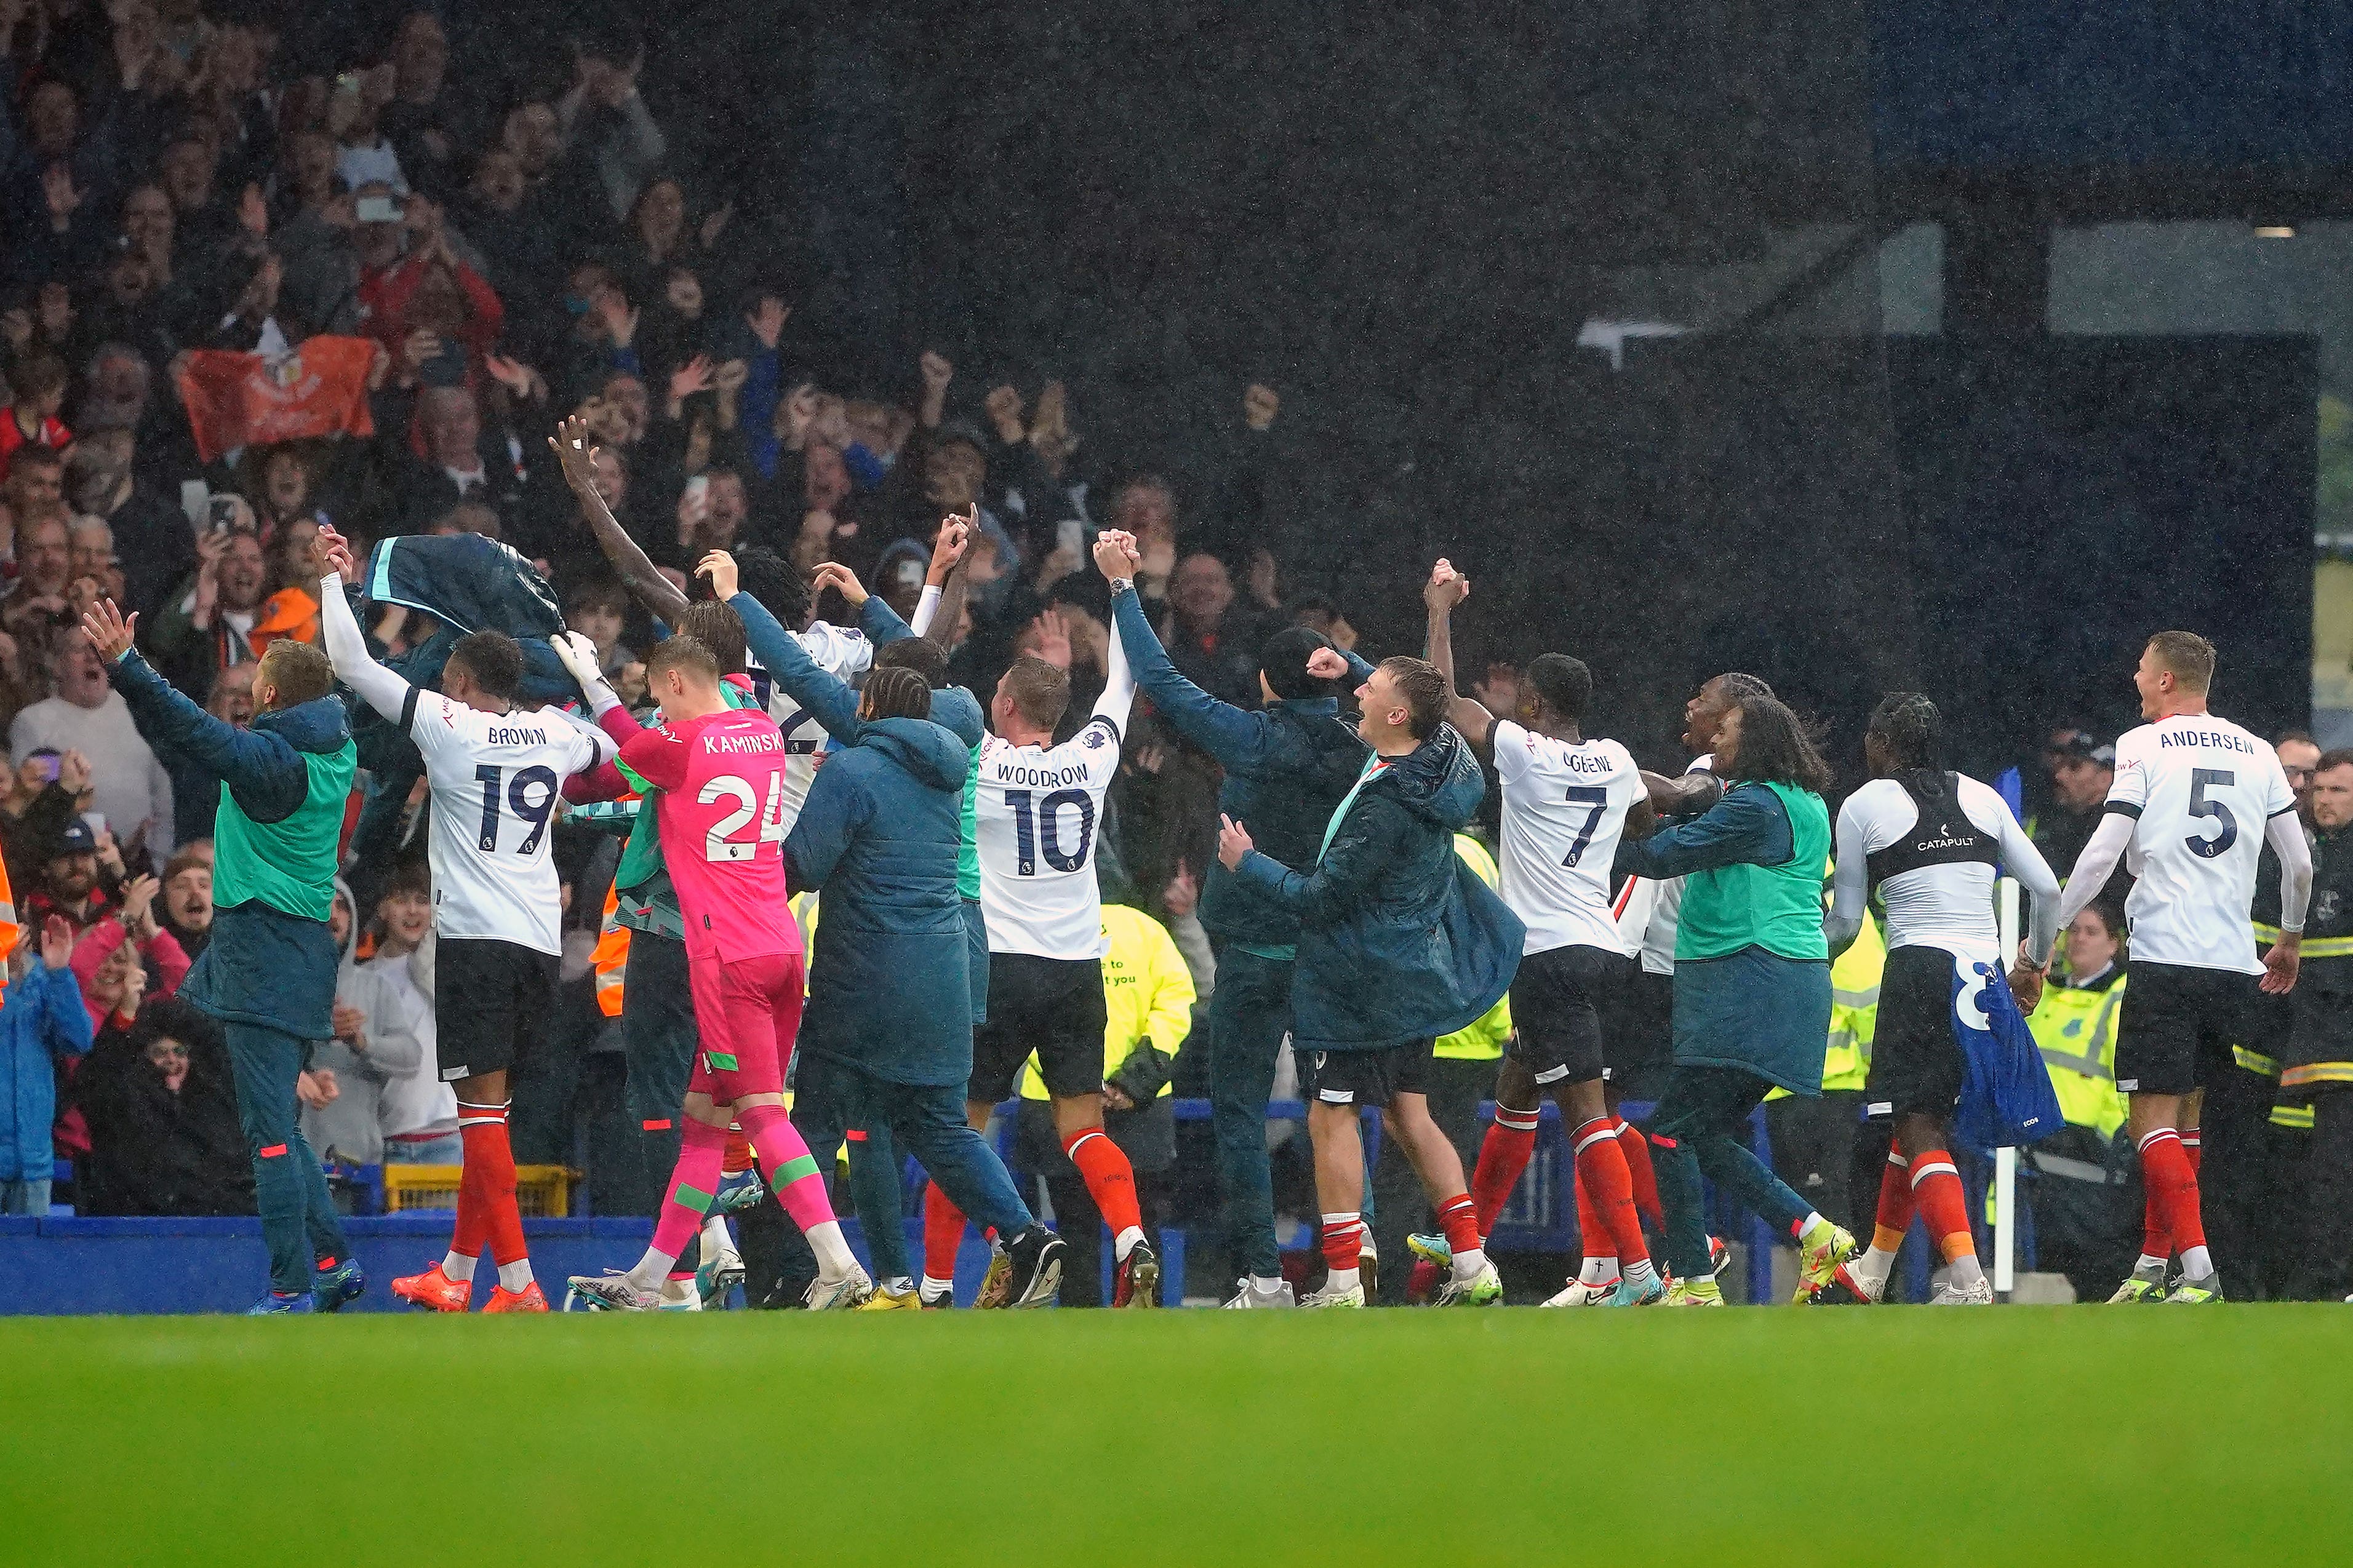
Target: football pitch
2018, 1435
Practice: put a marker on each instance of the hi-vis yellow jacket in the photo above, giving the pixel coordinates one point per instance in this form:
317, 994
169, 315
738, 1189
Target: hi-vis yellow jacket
1482, 1041
2076, 1033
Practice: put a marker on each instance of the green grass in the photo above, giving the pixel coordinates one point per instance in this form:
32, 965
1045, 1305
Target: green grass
2019, 1434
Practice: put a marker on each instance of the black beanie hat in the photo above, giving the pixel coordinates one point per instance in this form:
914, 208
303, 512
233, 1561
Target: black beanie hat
1283, 661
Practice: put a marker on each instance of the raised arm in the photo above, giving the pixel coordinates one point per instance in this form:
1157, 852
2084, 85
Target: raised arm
267, 775
576, 457
827, 697
1446, 589
1241, 741
877, 621
1119, 687
940, 609
379, 688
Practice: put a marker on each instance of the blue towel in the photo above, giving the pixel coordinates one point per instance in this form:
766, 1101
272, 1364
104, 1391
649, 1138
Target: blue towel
2006, 1100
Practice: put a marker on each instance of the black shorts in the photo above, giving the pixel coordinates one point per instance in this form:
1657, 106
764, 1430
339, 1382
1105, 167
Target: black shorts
1053, 1006
493, 1000
1369, 1077
1916, 1065
2177, 1025
1556, 1001
1638, 1028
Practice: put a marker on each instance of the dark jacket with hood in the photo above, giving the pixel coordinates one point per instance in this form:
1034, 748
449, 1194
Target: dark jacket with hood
1398, 939
153, 1151
263, 966
1287, 767
879, 835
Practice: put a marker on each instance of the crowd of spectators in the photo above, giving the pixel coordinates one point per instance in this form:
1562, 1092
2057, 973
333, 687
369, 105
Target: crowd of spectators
517, 240
517, 244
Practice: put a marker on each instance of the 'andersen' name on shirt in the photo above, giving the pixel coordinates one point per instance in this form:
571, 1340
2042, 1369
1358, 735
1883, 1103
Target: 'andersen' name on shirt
2170, 737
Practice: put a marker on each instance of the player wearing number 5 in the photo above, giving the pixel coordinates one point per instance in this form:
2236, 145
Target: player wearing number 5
498, 909
1035, 815
2195, 799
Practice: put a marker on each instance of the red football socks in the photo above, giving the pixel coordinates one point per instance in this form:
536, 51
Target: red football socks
942, 1232
1344, 1240
1110, 1181
1937, 1192
489, 1171
1503, 1156
1459, 1219
1606, 1187
1635, 1145
1894, 1216
2172, 1181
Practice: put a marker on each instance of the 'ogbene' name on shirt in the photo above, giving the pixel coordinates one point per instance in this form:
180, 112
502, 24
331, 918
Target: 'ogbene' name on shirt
744, 745
2170, 737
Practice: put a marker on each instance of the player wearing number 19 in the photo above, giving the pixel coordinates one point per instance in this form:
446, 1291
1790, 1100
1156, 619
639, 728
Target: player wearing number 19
495, 773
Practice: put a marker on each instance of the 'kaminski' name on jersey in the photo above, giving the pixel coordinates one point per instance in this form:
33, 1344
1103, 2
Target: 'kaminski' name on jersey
742, 745
2171, 738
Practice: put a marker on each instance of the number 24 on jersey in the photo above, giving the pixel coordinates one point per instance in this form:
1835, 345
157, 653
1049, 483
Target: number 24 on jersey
720, 844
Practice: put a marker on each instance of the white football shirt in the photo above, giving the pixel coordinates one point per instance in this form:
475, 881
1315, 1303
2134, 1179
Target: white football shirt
495, 779
1035, 814
841, 652
1951, 905
1564, 810
2203, 792
1667, 906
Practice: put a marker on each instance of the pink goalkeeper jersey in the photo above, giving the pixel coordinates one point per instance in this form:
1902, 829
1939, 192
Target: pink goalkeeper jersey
722, 830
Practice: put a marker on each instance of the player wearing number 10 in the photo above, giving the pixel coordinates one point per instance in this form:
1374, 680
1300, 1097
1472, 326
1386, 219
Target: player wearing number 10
1035, 815
495, 773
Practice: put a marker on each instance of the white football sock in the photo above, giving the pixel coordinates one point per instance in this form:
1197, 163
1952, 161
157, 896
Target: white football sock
458, 1267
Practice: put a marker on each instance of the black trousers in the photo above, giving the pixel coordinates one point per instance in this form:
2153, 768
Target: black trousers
2237, 1200
2327, 1242
1813, 1150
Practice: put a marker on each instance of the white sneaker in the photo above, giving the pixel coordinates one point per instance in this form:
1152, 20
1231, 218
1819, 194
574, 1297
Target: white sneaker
838, 1295
1978, 1295
1354, 1296
1248, 1294
681, 1295
1483, 1289
612, 1292
1581, 1294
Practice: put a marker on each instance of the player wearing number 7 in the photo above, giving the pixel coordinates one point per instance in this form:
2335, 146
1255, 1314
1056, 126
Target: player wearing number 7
498, 909
1567, 800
